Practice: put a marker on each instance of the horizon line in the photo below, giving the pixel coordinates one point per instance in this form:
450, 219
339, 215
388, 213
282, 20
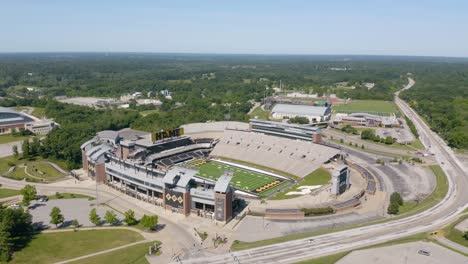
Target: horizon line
232, 53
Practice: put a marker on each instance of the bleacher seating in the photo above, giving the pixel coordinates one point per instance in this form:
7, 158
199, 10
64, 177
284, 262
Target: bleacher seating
293, 156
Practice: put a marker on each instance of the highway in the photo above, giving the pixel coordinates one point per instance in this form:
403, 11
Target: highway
444, 212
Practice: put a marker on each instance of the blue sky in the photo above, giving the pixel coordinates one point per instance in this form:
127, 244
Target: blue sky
381, 27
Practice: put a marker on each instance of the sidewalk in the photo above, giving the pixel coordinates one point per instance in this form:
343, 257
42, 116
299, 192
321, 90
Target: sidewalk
452, 244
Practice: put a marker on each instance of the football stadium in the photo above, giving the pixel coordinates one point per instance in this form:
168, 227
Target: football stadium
243, 179
207, 169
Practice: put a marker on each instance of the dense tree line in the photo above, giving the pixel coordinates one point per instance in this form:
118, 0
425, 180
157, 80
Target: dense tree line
208, 87
441, 97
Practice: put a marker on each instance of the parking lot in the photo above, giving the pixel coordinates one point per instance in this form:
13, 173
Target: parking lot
405, 253
78, 209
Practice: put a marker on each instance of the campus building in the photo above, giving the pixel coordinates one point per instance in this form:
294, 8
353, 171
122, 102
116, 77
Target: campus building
315, 114
365, 119
11, 120
292, 131
146, 166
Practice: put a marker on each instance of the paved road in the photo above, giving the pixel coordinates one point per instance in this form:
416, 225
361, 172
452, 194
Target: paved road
444, 212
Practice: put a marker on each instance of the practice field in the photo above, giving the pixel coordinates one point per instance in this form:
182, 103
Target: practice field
243, 179
367, 106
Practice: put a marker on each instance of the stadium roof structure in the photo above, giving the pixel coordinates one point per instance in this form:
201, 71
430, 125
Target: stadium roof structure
222, 184
305, 110
109, 134
179, 176
9, 116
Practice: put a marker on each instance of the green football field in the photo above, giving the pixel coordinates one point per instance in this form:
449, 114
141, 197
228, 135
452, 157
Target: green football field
243, 179
367, 106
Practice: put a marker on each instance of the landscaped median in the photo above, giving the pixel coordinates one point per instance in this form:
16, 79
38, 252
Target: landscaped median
35, 169
437, 195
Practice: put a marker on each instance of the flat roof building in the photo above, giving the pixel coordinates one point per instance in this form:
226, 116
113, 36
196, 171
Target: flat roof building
313, 113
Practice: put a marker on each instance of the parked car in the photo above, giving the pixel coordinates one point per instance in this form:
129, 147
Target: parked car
424, 252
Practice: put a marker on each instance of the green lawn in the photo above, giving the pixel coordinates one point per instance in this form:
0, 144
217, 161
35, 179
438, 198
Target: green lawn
70, 196
8, 138
7, 162
8, 192
318, 177
243, 179
260, 113
454, 234
54, 247
38, 112
134, 255
44, 170
36, 172
368, 106
20, 174
330, 259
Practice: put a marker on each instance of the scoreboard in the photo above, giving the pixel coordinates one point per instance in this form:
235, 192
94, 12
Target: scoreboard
167, 133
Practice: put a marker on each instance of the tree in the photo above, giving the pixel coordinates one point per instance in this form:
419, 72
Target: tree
393, 208
465, 235
130, 218
396, 198
388, 140
15, 150
149, 222
299, 120
94, 217
111, 218
25, 148
29, 193
56, 216
15, 231
35, 146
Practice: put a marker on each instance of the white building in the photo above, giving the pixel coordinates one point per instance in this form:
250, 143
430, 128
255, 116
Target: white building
42, 127
313, 113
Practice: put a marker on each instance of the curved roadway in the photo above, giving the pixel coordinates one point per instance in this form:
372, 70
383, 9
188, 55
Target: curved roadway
445, 211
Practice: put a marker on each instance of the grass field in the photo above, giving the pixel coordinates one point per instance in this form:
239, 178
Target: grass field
54, 247
370, 106
36, 172
44, 170
8, 138
8, 192
7, 162
454, 234
260, 113
318, 177
134, 254
243, 179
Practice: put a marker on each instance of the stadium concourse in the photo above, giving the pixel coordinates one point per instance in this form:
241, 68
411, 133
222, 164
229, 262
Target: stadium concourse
299, 158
